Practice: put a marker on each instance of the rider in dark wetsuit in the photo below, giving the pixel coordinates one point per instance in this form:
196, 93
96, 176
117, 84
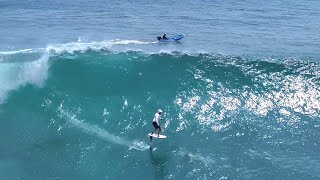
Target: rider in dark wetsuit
164, 36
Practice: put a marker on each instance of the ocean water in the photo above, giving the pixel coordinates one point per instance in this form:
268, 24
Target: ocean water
80, 82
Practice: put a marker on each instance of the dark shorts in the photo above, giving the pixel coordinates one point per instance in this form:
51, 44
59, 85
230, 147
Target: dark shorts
155, 125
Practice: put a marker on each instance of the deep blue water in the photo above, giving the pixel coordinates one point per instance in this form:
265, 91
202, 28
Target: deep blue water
80, 82
234, 27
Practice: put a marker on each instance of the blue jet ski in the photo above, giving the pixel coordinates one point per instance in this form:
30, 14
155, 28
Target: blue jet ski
171, 38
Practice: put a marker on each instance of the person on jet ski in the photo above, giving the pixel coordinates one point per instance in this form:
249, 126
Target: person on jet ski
164, 36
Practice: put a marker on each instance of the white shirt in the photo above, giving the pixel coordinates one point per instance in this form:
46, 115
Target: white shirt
156, 118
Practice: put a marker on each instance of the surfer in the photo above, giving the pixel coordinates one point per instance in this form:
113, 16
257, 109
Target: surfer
155, 122
156, 125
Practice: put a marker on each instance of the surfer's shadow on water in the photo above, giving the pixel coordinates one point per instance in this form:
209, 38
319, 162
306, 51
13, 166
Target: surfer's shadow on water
159, 162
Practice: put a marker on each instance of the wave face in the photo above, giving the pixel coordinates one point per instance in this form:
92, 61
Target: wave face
83, 111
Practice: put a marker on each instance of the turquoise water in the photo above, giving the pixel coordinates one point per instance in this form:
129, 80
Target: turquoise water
80, 83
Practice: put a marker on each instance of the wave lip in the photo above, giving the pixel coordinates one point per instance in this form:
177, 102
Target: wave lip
22, 51
95, 46
15, 75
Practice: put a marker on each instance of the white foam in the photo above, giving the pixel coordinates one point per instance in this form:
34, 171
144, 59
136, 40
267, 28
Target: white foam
20, 51
115, 46
15, 75
96, 46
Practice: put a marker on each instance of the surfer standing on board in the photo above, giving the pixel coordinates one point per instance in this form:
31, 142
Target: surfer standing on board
156, 125
155, 122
